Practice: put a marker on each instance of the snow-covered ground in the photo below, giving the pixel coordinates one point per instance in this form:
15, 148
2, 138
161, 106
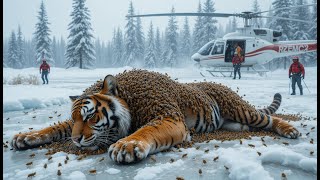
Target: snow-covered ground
29, 106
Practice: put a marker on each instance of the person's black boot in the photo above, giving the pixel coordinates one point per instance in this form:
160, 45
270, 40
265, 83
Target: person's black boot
234, 78
43, 83
293, 93
301, 92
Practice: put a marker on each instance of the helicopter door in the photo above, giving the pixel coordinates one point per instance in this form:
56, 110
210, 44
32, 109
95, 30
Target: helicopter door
230, 50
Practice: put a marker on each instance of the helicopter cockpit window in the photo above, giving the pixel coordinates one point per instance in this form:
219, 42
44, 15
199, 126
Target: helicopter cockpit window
260, 32
205, 50
218, 48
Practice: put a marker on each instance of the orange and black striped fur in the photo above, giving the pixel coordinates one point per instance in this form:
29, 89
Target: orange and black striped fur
138, 113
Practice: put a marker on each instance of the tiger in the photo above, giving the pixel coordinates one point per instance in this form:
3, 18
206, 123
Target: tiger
138, 112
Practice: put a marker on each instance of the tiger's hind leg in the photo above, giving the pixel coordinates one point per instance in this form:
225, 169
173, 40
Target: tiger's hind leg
261, 120
153, 137
47, 135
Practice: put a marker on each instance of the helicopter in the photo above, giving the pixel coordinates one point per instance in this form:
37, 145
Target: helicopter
259, 45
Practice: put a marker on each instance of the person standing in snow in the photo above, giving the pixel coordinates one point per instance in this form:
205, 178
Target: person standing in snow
237, 60
296, 72
45, 71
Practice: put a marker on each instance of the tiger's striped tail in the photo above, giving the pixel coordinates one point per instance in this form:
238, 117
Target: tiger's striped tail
273, 106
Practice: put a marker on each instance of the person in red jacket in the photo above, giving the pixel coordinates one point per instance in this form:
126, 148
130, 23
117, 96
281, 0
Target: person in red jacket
45, 70
236, 61
296, 72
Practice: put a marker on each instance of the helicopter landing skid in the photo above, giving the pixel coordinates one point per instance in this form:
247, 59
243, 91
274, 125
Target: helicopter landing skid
223, 71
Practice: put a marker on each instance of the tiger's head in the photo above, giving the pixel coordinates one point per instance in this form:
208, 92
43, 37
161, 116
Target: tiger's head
99, 119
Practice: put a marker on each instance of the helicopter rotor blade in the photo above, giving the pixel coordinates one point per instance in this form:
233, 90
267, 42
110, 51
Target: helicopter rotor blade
292, 7
187, 14
290, 19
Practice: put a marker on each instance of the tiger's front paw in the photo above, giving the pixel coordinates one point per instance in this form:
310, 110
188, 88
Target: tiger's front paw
128, 151
26, 141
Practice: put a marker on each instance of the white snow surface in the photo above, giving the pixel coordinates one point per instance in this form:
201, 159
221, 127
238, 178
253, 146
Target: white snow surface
29, 106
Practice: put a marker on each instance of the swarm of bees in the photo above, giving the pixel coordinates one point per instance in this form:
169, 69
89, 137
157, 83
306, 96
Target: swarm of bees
70, 149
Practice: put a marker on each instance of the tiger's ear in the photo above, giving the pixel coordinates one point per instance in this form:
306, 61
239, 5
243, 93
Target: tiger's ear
73, 98
109, 86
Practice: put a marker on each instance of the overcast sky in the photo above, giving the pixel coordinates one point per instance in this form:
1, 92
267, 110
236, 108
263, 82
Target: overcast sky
108, 14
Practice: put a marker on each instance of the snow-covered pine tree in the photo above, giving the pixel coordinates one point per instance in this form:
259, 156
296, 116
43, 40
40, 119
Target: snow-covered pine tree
158, 47
172, 38
185, 42
284, 26
256, 22
13, 60
97, 49
62, 50
313, 27
5, 50
80, 50
42, 36
269, 20
301, 29
29, 53
150, 57
165, 49
198, 31
228, 26
108, 53
140, 41
113, 47
209, 27
220, 31
130, 54
20, 48
118, 46
54, 47
234, 24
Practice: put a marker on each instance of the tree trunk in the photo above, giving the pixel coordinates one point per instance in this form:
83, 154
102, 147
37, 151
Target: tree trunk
80, 60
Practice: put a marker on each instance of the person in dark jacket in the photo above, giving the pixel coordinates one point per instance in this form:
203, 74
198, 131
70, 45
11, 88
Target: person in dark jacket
296, 72
45, 71
236, 61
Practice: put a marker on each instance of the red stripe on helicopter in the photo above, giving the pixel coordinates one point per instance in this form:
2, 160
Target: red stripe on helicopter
271, 47
312, 47
251, 55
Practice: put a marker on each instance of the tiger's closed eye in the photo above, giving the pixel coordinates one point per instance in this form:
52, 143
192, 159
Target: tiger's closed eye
91, 117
